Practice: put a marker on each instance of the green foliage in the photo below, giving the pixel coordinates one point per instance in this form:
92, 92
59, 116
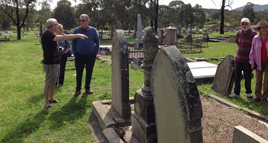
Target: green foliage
64, 13
248, 11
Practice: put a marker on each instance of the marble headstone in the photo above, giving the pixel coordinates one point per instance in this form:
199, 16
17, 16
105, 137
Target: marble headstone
178, 109
139, 32
120, 75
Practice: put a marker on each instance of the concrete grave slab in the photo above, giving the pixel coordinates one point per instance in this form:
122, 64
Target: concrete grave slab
242, 135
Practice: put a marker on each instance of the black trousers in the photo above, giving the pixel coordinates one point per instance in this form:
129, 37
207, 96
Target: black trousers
247, 71
81, 61
63, 60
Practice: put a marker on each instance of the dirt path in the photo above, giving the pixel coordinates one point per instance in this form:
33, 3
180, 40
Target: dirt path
219, 120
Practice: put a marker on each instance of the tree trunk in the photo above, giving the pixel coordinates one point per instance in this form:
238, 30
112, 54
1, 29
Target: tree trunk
156, 15
18, 32
222, 17
18, 21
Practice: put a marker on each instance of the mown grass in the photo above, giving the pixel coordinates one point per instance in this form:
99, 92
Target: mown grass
21, 86
22, 118
220, 50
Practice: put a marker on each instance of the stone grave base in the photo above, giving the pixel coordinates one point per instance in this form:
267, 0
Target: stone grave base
108, 127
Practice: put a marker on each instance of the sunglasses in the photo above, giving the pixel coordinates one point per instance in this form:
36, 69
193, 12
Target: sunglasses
244, 23
82, 20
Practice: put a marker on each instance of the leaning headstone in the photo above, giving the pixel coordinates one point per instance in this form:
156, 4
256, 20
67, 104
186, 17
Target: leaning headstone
139, 32
224, 78
120, 75
177, 103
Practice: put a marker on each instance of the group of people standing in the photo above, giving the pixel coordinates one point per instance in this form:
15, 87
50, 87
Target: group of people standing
252, 54
56, 48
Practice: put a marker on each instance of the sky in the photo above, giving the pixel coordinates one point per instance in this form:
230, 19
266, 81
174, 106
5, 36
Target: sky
203, 3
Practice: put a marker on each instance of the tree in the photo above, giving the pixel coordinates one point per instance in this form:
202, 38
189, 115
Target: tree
4, 21
44, 13
248, 11
222, 17
64, 13
199, 16
17, 11
222, 14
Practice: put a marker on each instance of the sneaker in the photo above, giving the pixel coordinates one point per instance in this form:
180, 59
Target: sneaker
87, 92
233, 95
77, 93
53, 101
249, 95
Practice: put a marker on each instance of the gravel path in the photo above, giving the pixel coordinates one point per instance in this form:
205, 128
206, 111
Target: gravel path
219, 120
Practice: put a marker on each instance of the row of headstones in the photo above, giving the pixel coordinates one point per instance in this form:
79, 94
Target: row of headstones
167, 108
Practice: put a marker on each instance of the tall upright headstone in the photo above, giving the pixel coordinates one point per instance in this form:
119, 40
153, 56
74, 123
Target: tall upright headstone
143, 120
178, 109
139, 32
120, 75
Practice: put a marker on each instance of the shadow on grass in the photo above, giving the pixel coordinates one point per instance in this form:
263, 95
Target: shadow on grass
35, 99
25, 128
70, 112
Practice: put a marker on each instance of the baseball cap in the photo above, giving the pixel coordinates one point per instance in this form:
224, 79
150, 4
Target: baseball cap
245, 20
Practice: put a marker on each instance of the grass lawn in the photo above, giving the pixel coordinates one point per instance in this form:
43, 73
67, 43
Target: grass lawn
221, 49
21, 86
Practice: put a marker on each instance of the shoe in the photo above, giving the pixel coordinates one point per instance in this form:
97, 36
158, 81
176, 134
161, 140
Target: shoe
233, 95
87, 92
257, 100
53, 101
47, 107
77, 93
249, 95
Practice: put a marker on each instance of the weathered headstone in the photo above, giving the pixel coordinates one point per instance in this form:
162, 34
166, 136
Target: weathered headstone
120, 75
139, 32
176, 99
171, 36
143, 120
224, 78
160, 34
205, 37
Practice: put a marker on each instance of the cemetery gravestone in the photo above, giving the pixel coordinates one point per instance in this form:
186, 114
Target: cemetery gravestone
224, 78
171, 36
139, 32
176, 99
120, 75
143, 120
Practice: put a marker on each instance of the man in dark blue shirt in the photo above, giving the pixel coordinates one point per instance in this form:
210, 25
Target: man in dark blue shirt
85, 52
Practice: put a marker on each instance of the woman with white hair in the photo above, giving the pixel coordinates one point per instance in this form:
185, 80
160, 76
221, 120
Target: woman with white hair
51, 57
